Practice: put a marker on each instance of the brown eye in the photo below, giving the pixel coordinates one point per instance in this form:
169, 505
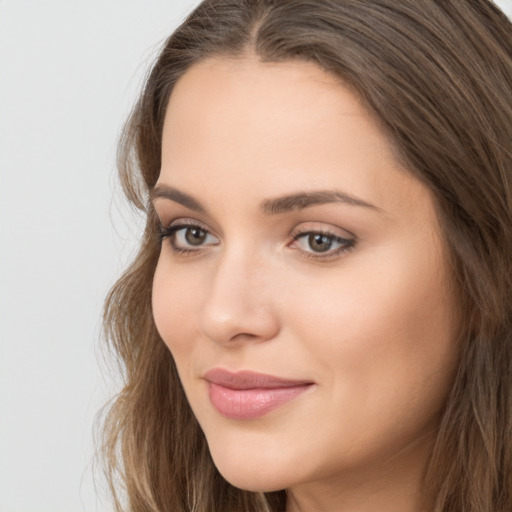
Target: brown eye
315, 244
195, 235
188, 238
319, 242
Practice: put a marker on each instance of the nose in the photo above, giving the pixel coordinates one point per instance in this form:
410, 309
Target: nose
238, 303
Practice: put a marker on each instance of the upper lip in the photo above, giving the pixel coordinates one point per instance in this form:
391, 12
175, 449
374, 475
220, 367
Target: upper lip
250, 380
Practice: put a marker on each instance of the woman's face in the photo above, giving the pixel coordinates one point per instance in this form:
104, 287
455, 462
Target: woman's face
302, 285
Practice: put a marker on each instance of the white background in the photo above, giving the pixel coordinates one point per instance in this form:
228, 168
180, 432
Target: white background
69, 72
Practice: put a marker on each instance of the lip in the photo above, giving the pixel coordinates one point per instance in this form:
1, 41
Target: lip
249, 395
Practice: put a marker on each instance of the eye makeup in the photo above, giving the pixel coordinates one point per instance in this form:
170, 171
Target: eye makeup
189, 236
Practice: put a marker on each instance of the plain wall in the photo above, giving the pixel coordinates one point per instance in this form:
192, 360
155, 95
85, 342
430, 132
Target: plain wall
69, 72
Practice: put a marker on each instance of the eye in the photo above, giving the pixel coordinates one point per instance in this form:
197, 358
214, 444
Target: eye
191, 236
186, 238
317, 244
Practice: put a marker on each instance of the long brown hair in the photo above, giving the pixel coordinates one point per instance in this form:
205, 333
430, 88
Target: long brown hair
438, 76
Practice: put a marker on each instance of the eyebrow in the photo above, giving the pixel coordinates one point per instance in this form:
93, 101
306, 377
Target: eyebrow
173, 194
276, 206
303, 200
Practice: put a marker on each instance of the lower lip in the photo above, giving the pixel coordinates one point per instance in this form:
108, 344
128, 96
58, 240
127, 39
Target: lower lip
248, 404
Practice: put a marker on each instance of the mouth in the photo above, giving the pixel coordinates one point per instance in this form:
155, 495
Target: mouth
248, 395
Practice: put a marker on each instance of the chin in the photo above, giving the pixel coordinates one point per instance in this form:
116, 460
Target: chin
252, 473
254, 481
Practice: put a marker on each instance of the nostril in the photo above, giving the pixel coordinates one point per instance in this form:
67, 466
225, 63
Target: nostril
244, 336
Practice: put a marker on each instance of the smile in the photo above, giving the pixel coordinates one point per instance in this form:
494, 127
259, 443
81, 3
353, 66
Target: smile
248, 395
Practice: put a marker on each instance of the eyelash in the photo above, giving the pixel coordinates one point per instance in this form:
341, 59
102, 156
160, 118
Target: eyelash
345, 244
170, 231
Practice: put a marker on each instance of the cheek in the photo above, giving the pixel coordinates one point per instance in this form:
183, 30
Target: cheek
173, 299
383, 346
382, 332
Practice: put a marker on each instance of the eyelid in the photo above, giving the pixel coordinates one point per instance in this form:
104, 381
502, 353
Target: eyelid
324, 228
185, 222
338, 236
347, 243
171, 230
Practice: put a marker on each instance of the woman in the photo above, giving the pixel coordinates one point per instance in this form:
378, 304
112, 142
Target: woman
318, 317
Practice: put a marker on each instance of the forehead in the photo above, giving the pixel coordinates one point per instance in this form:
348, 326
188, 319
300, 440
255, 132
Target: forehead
256, 94
266, 128
267, 82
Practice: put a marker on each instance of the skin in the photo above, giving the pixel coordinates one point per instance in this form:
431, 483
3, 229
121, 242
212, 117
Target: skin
373, 327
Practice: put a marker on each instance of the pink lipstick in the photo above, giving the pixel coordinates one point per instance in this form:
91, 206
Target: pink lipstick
247, 395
